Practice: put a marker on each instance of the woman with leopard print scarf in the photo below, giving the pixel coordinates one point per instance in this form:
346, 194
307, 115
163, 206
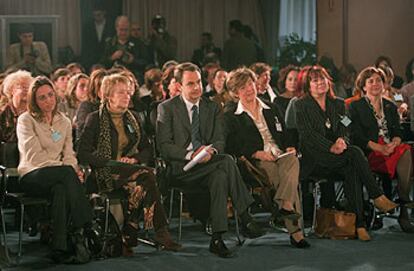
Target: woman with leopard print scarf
113, 133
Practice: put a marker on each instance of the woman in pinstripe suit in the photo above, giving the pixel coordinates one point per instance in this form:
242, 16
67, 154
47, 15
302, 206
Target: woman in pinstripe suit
322, 125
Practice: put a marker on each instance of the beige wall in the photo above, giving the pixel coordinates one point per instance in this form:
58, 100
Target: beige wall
357, 31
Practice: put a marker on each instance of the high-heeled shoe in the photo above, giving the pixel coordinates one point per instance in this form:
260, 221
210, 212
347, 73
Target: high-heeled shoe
363, 234
384, 204
299, 244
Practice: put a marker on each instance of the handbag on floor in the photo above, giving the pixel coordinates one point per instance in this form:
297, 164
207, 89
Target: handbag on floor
335, 224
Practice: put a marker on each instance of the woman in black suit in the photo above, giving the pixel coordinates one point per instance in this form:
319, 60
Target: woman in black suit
260, 136
322, 124
114, 133
376, 129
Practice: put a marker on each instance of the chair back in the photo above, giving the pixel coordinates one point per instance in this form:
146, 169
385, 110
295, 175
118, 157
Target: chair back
9, 154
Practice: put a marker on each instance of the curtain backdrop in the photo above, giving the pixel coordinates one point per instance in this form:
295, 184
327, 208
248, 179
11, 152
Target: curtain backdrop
187, 19
69, 25
298, 16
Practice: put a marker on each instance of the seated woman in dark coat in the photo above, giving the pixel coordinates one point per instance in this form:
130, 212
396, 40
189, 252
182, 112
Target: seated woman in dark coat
376, 129
322, 126
260, 136
114, 133
288, 77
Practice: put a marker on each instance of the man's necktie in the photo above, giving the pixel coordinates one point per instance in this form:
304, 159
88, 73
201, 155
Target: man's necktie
195, 128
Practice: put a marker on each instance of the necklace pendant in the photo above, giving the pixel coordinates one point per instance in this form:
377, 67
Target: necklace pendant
328, 123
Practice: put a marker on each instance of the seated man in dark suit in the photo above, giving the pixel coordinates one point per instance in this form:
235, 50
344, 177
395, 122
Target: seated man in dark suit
186, 124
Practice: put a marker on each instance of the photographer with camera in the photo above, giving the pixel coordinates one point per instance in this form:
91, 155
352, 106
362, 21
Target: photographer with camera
29, 55
126, 51
162, 44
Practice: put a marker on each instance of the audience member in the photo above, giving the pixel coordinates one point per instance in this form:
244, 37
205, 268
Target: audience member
28, 54
49, 169
264, 90
322, 127
344, 88
258, 134
382, 61
186, 125
60, 79
15, 86
208, 76
114, 133
77, 92
376, 129
287, 86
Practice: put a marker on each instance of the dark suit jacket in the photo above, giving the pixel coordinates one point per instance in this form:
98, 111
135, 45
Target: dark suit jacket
243, 137
88, 143
364, 125
92, 48
313, 142
173, 131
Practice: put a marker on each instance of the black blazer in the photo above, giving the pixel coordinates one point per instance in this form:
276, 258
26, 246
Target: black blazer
88, 143
313, 142
173, 131
364, 125
243, 137
92, 48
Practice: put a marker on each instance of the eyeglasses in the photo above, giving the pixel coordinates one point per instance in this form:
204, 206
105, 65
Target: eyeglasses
43, 98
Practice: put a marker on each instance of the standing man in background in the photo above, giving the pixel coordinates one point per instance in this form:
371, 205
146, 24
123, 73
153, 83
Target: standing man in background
94, 34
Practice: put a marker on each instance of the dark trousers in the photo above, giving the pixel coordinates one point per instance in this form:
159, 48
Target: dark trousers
222, 178
61, 185
353, 167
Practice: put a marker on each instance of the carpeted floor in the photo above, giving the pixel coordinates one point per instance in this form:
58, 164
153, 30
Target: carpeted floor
390, 250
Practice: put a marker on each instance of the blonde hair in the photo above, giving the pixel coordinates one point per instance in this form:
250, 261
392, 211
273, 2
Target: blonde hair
110, 81
238, 78
14, 79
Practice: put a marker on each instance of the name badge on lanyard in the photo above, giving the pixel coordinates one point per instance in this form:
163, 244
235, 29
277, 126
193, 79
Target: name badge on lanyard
56, 136
346, 121
278, 125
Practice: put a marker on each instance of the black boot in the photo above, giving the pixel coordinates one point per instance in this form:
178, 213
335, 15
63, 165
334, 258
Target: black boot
82, 253
404, 221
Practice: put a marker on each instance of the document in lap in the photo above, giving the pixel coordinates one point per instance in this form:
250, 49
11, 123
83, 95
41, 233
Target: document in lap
198, 158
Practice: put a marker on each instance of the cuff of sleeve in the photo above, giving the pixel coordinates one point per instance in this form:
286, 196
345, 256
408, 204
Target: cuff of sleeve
215, 151
188, 155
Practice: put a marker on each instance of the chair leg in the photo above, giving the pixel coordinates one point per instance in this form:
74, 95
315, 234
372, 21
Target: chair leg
316, 194
3, 222
301, 221
171, 204
180, 221
106, 216
236, 219
19, 254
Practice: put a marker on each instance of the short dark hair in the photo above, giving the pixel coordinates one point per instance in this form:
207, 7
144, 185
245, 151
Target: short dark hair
25, 28
184, 67
236, 25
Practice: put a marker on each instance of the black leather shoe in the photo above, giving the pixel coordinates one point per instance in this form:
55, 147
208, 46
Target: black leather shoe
218, 247
252, 230
301, 244
286, 214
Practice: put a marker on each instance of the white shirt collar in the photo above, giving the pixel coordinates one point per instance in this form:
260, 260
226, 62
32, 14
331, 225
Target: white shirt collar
240, 108
189, 104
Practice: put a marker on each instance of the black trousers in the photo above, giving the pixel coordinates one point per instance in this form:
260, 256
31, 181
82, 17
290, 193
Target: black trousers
61, 185
222, 178
354, 168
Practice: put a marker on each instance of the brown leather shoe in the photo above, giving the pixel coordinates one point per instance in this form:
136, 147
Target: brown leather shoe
163, 237
363, 234
384, 204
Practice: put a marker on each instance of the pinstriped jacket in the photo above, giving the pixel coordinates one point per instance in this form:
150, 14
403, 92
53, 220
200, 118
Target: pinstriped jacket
311, 125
